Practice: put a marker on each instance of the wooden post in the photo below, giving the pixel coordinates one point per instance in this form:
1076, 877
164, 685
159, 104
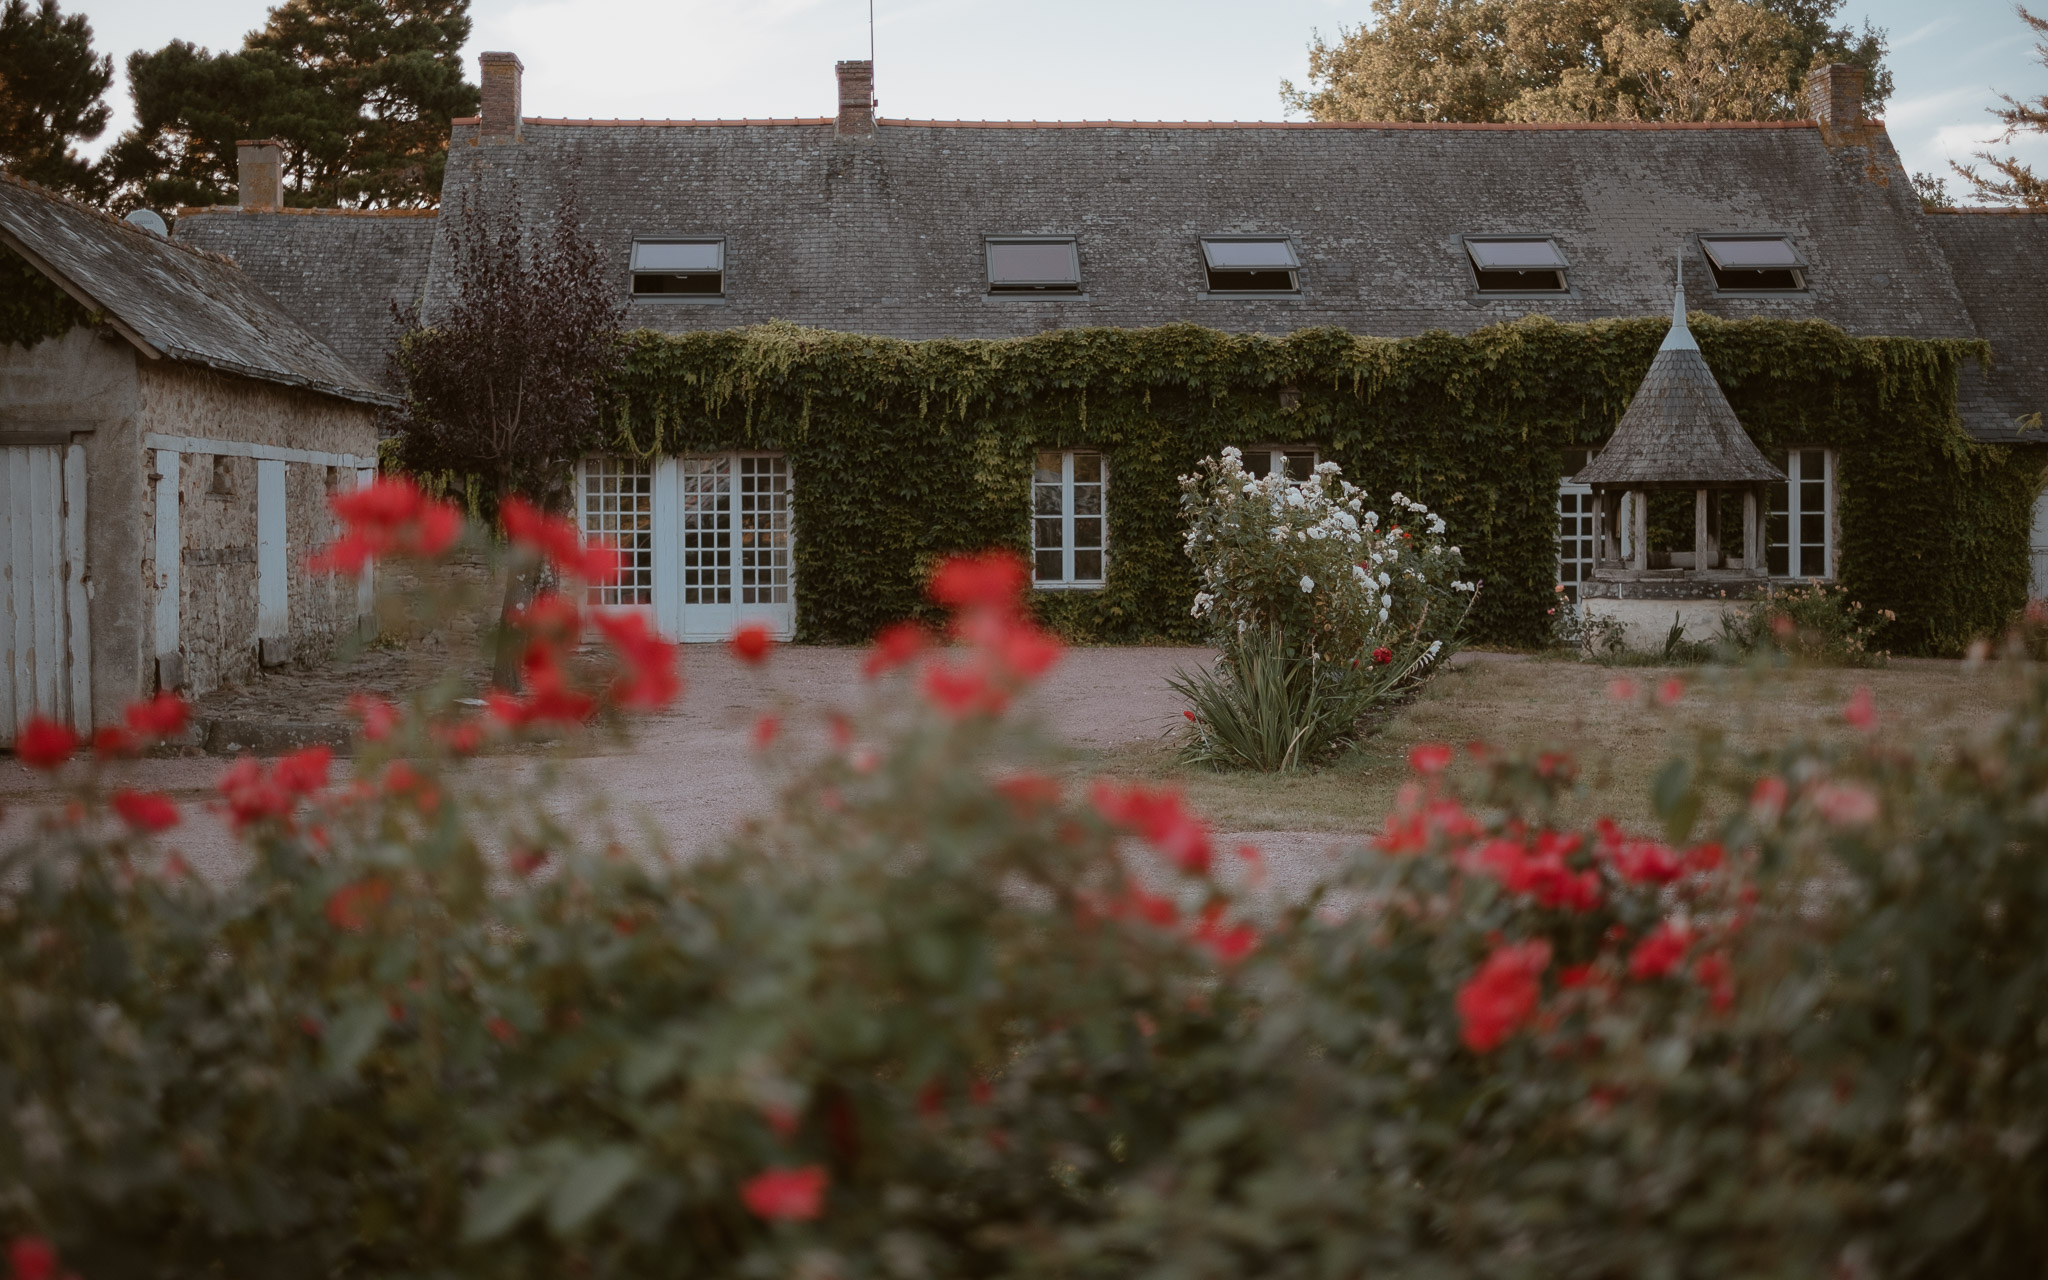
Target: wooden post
1752, 533
1702, 535
1640, 504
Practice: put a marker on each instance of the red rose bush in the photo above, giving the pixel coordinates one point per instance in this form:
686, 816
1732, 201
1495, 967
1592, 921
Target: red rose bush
944, 1011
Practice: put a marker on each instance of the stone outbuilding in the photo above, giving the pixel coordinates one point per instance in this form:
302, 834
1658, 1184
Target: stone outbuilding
169, 436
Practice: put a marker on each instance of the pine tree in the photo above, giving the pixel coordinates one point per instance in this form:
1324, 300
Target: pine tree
359, 92
2015, 183
52, 94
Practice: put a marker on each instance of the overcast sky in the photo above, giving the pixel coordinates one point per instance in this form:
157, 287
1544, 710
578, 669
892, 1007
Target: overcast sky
1047, 60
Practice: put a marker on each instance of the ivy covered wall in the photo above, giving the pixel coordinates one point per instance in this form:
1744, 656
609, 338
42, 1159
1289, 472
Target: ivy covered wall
904, 451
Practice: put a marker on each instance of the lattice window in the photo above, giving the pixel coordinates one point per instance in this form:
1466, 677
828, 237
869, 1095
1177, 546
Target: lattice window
618, 509
1574, 526
764, 530
707, 530
1800, 541
1069, 518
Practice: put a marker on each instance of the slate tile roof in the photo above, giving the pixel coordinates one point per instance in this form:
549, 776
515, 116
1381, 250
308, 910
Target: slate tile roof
1999, 259
339, 270
184, 304
883, 232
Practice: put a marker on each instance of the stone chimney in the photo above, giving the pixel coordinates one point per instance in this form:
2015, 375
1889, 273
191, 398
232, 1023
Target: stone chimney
1834, 97
500, 111
259, 174
857, 97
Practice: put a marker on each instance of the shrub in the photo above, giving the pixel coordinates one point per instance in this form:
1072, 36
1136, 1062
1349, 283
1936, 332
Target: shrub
936, 1014
1319, 611
1815, 622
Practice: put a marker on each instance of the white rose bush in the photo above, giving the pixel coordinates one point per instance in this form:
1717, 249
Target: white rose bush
1323, 606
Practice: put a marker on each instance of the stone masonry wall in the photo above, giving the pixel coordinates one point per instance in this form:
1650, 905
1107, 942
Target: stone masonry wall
218, 571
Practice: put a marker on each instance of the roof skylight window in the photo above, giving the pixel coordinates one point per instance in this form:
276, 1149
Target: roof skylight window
679, 268
1034, 265
1762, 264
1251, 264
1518, 264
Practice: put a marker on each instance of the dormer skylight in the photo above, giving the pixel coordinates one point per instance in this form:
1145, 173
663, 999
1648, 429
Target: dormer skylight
1517, 264
1251, 264
1033, 265
1758, 264
679, 268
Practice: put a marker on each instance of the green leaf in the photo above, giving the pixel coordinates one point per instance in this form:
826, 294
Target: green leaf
349, 1039
1676, 799
648, 1064
589, 1185
502, 1202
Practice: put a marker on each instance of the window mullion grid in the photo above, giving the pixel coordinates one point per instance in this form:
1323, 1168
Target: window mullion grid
1067, 517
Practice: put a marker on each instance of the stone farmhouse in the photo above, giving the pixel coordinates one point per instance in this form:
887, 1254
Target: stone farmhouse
928, 228
166, 450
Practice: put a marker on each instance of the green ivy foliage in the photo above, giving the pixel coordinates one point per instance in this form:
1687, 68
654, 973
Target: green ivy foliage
33, 308
904, 451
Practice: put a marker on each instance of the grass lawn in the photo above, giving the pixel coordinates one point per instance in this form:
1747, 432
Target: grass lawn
1554, 704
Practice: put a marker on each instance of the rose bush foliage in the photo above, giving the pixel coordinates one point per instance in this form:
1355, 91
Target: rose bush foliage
939, 1013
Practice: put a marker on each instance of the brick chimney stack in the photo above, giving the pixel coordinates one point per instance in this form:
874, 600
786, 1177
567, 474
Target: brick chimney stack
501, 106
1834, 97
259, 174
856, 97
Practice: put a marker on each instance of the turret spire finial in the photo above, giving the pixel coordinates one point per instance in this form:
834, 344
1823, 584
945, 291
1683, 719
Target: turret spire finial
1680, 337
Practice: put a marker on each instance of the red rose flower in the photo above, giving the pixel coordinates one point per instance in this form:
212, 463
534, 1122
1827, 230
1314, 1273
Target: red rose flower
991, 580
1382, 655
32, 1258
145, 810
1502, 995
1660, 952
1430, 757
44, 744
751, 643
786, 1195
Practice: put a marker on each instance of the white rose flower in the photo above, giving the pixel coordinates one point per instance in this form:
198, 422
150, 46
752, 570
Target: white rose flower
1232, 452
1316, 533
1384, 579
1383, 615
1308, 584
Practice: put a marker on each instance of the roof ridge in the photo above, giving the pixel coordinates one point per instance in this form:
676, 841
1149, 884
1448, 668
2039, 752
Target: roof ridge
188, 210
1558, 126
1981, 209
36, 188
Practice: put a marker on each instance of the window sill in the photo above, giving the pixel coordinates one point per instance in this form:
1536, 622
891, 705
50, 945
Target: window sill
1547, 295
1003, 299
1249, 295
679, 299
1067, 586
1759, 293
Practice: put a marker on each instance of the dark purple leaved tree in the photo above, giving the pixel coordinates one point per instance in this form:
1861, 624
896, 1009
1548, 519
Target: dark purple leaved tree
503, 383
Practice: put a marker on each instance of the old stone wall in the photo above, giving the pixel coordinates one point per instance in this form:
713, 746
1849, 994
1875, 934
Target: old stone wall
219, 580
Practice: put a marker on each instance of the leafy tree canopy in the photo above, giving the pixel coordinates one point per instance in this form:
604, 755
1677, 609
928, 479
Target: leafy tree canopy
2010, 182
52, 94
359, 92
1554, 60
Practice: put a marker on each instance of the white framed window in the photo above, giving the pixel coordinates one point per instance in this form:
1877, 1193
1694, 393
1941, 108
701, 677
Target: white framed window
1574, 525
615, 505
1799, 540
1069, 546
1292, 461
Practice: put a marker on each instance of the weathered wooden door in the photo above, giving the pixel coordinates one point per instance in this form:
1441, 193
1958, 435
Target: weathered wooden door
45, 644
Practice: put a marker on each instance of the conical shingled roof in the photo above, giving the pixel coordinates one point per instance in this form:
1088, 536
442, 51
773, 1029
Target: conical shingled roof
1679, 430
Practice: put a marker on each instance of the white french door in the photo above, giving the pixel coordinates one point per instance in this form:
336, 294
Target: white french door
727, 538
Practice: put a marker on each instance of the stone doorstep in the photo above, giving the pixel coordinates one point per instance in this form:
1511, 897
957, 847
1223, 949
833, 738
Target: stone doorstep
231, 737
